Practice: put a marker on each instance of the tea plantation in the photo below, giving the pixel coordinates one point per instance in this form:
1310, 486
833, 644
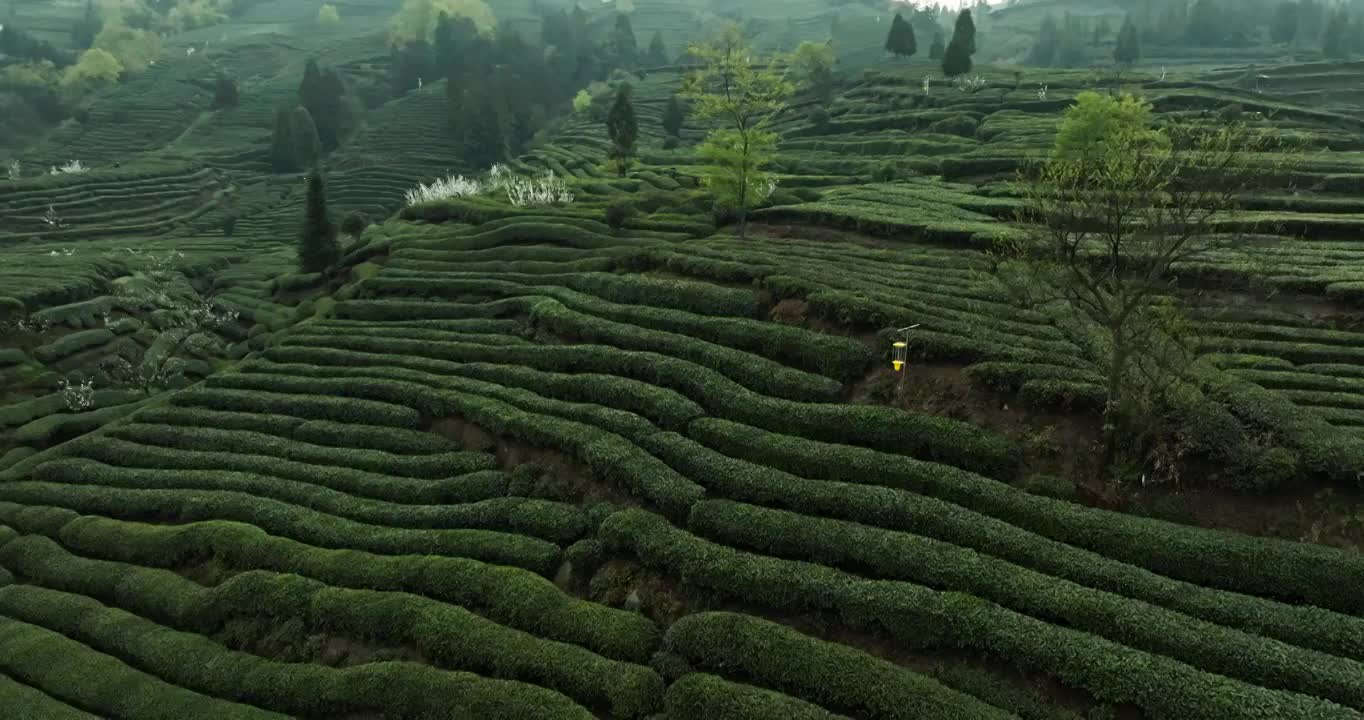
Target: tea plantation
608, 459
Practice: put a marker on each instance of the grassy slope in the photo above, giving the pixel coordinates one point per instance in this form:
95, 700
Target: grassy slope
337, 531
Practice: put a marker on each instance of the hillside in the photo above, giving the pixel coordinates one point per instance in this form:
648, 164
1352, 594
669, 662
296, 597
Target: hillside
607, 459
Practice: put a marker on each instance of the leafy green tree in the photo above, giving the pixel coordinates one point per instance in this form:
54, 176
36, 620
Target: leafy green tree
1118, 206
480, 118
658, 52
673, 116
623, 130
814, 65
956, 59
133, 48
900, 41
742, 97
937, 50
97, 68
1128, 50
328, 17
317, 245
623, 44
416, 19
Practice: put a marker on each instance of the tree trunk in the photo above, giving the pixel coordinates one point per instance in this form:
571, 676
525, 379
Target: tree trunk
743, 223
1113, 408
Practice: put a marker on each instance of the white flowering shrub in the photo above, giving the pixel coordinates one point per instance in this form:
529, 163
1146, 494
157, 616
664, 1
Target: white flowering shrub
531, 192
72, 167
521, 191
79, 397
15, 169
971, 84
443, 189
52, 219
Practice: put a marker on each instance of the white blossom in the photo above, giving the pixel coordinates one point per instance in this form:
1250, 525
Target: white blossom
548, 190
72, 167
79, 397
14, 169
444, 188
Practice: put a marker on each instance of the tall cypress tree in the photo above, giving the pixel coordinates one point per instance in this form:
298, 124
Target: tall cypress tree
623, 42
956, 60
658, 52
317, 246
1048, 40
1128, 51
321, 92
900, 41
673, 115
623, 130
937, 49
83, 36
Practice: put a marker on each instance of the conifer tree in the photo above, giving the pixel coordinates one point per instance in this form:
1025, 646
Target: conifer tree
937, 49
623, 42
83, 36
1128, 50
623, 130
658, 52
1048, 39
1333, 40
956, 58
321, 92
1101, 32
673, 115
900, 41
317, 246
294, 145
1283, 28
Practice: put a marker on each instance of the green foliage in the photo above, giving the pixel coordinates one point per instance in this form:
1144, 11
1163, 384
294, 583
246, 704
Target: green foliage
328, 17
322, 93
658, 52
701, 695
294, 145
743, 97
813, 64
417, 19
673, 115
623, 45
317, 245
956, 59
619, 212
1128, 50
225, 93
96, 69
355, 223
1097, 120
839, 677
623, 130
938, 49
900, 41
131, 47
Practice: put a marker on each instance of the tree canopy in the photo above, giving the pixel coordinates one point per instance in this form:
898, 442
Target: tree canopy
900, 41
956, 58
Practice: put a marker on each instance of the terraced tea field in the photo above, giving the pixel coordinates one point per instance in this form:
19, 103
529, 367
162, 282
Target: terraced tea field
512, 462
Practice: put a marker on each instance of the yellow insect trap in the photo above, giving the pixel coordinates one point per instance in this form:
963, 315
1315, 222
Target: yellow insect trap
898, 355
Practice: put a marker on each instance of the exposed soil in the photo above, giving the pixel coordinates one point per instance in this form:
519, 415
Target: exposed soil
291, 641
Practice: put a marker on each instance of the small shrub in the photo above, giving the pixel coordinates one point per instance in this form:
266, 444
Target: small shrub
819, 119
618, 213
671, 142
960, 124
354, 223
1230, 113
886, 172
229, 225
